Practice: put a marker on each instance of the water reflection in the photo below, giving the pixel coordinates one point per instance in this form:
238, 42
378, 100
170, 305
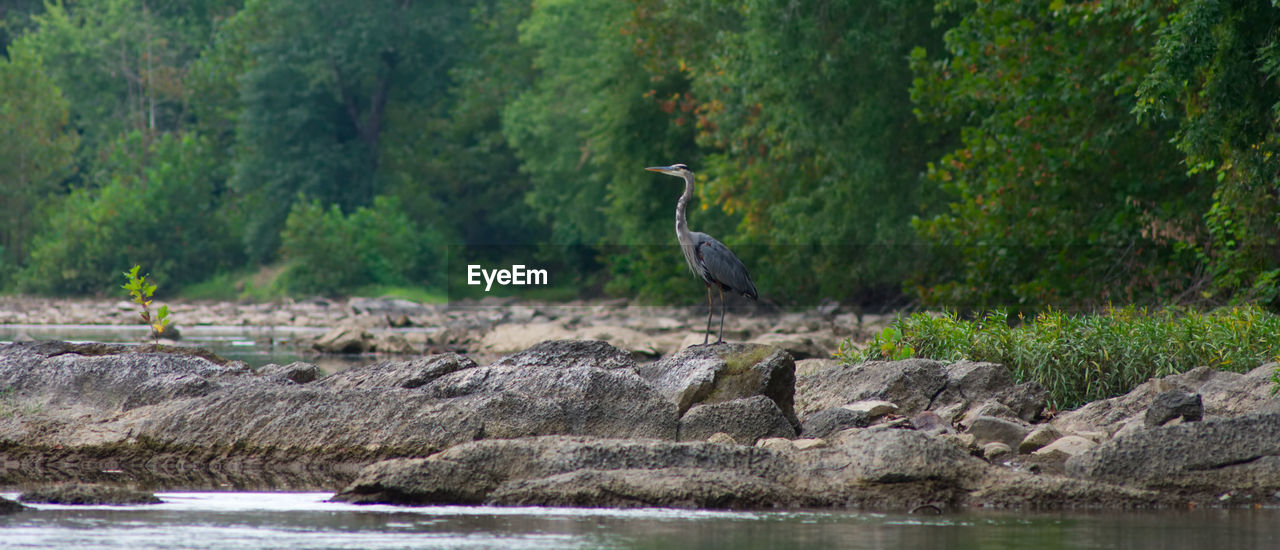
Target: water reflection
254, 345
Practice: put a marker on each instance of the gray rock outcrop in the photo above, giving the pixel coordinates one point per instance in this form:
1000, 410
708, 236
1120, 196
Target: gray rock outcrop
725, 372
88, 493
1213, 456
873, 467
746, 420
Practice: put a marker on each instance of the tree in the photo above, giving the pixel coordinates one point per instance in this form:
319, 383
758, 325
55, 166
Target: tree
1215, 70
319, 84
37, 152
146, 201
812, 146
584, 131
1060, 197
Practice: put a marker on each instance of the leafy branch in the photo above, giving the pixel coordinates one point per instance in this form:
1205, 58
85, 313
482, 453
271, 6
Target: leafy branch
140, 290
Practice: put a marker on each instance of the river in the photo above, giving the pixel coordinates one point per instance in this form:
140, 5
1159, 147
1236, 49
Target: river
306, 521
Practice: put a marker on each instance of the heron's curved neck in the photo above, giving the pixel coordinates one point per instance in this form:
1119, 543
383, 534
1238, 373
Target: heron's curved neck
682, 225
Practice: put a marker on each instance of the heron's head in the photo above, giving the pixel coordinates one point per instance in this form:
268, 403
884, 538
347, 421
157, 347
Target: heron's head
677, 170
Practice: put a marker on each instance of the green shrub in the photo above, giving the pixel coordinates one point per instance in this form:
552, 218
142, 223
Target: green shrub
331, 253
148, 200
1083, 358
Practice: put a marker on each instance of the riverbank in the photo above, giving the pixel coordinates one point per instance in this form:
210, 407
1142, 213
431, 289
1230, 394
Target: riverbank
582, 423
483, 329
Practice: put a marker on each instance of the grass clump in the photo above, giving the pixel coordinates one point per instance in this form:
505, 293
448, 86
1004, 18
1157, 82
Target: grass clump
1082, 358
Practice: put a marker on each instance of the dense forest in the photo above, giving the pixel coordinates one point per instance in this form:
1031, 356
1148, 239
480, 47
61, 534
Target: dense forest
952, 153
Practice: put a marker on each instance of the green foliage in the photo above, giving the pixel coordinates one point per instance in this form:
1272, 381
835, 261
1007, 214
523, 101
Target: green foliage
1214, 72
1083, 358
140, 290
1042, 152
1060, 197
329, 253
36, 153
810, 139
153, 201
316, 96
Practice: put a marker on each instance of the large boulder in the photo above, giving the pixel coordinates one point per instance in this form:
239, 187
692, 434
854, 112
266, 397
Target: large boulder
894, 468
88, 493
1222, 394
569, 354
406, 374
746, 420
111, 376
472, 473
911, 384
243, 429
1239, 454
347, 338
970, 383
725, 372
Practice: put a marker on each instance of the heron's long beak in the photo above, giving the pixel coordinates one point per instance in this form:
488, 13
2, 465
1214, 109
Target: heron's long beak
664, 169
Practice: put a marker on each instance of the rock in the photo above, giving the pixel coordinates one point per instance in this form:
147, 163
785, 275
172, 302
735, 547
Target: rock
514, 338
1039, 437
806, 367
807, 443
873, 408
1027, 400
144, 407
929, 422
385, 306
1039, 492
973, 381
570, 354
724, 372
10, 507
391, 342
349, 338
800, 345
990, 408
409, 374
1174, 404
898, 468
911, 384
296, 372
636, 488
964, 441
721, 437
1194, 458
891, 456
1062, 449
746, 420
995, 450
479, 472
987, 429
969, 382
824, 423
776, 444
86, 493
629, 339
110, 376
1222, 394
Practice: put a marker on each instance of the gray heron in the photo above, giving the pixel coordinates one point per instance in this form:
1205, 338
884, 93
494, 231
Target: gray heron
707, 258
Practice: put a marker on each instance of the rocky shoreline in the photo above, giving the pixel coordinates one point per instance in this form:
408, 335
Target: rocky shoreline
484, 329
582, 423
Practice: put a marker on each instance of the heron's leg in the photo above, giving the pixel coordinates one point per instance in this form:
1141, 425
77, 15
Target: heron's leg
711, 310
720, 338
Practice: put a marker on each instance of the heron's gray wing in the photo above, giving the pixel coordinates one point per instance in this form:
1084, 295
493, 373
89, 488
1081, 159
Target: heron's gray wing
720, 265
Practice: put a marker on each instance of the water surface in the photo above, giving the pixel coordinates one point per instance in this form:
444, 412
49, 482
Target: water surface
304, 520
